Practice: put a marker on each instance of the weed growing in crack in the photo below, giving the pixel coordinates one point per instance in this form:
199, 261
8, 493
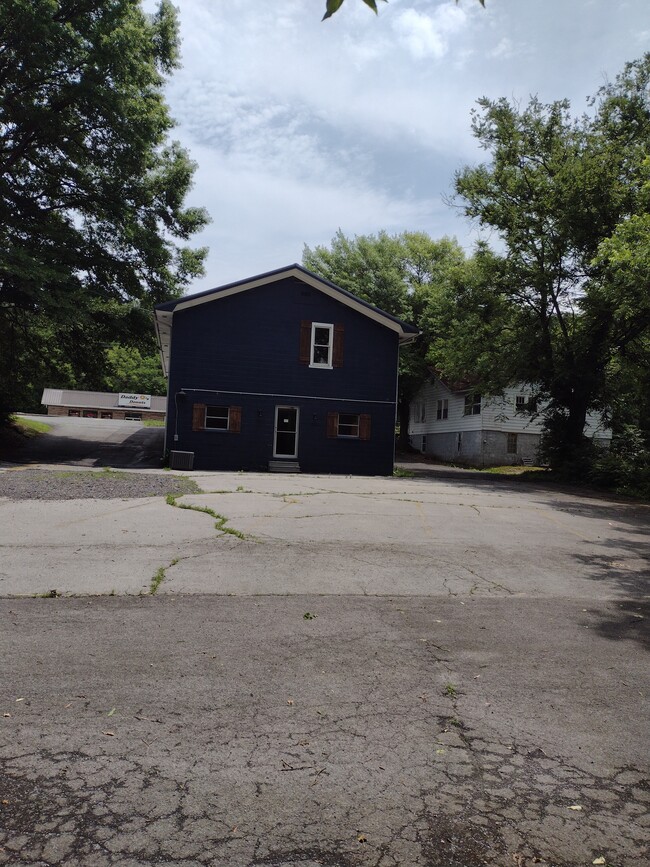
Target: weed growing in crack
157, 580
221, 522
451, 690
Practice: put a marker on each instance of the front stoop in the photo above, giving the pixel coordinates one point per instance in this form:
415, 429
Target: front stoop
284, 467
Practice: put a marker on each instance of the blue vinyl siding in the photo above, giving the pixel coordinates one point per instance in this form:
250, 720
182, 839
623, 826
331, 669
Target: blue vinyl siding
243, 350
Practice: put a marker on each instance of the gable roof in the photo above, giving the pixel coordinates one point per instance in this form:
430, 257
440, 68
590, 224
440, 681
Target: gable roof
163, 314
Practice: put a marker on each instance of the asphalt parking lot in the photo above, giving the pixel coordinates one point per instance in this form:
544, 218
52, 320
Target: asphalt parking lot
433, 670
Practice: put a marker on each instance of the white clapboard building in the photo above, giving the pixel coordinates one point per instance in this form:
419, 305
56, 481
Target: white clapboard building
457, 424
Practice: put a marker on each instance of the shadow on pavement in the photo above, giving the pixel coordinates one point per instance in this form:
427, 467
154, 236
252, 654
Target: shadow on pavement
142, 449
628, 565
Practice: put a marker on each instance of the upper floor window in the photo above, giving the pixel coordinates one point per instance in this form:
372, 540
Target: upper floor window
418, 412
321, 344
443, 410
521, 403
472, 404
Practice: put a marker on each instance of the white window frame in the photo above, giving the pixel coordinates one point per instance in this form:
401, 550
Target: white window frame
521, 402
442, 409
349, 436
330, 327
218, 429
476, 405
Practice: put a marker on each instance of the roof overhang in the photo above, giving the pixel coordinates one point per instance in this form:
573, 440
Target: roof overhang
164, 313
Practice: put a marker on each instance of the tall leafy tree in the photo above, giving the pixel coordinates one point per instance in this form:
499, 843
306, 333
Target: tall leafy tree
92, 217
128, 369
400, 274
569, 199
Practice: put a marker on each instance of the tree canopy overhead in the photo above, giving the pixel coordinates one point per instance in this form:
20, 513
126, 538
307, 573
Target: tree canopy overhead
569, 198
93, 223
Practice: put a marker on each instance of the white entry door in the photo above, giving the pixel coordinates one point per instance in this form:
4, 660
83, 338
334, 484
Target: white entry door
285, 440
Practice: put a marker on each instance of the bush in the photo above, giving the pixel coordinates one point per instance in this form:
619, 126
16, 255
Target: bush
625, 467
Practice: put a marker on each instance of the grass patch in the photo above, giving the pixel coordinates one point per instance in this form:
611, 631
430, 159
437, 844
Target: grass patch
157, 580
105, 474
30, 427
451, 690
221, 522
511, 470
153, 422
401, 473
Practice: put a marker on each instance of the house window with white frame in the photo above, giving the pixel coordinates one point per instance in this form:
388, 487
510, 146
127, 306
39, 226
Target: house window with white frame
321, 344
473, 404
442, 410
521, 403
217, 417
511, 444
348, 425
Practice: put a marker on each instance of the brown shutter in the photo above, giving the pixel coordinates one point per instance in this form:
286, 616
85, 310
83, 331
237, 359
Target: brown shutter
337, 354
198, 416
234, 419
332, 424
305, 342
364, 426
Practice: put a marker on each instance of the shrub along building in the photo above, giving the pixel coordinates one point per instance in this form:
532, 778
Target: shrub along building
284, 371
453, 422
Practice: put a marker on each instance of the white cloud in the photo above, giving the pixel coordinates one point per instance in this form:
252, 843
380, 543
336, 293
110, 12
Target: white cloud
429, 35
504, 50
301, 127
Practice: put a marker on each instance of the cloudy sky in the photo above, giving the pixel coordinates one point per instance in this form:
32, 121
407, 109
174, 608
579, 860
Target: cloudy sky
301, 127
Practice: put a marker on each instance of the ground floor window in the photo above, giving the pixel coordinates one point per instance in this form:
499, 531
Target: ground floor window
424, 443
74, 412
213, 417
217, 417
132, 416
107, 415
511, 446
347, 425
90, 413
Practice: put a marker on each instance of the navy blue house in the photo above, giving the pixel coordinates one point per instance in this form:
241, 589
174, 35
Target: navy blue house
283, 371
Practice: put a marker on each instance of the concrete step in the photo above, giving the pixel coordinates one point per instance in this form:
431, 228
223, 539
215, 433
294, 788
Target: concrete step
284, 467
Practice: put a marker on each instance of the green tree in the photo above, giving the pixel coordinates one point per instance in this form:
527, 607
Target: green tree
569, 199
92, 215
400, 274
127, 369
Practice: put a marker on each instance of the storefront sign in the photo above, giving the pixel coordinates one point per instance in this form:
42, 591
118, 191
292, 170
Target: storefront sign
142, 400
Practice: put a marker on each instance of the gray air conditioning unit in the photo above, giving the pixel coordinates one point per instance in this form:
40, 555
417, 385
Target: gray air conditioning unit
181, 460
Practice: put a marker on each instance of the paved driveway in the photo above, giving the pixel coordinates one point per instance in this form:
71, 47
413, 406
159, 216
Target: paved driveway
446, 671
92, 442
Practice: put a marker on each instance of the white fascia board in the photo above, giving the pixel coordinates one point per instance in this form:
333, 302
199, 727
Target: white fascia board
315, 283
163, 324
